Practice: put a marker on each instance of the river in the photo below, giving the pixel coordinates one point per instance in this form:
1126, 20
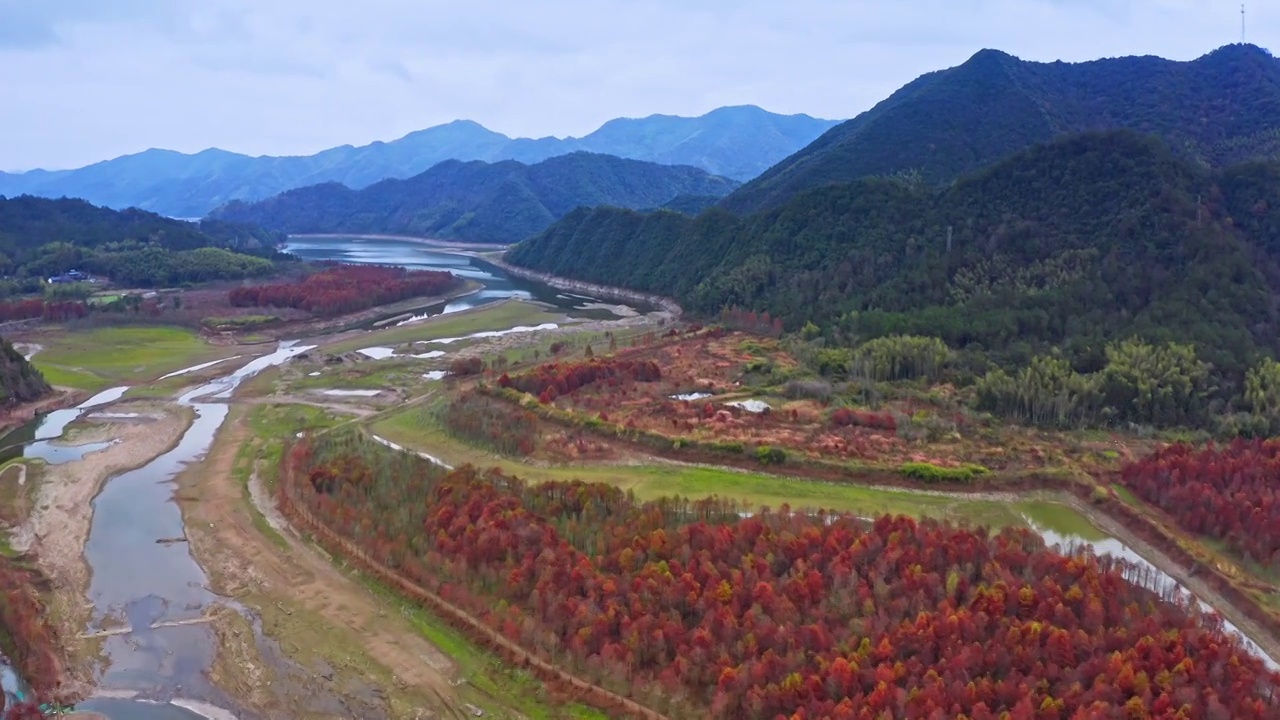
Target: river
153, 587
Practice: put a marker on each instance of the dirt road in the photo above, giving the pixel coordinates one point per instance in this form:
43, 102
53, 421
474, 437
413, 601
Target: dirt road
307, 605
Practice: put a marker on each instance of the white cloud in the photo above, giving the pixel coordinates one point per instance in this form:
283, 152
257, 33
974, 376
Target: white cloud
86, 80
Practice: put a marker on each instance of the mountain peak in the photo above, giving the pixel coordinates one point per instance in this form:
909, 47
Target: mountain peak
737, 142
989, 55
948, 123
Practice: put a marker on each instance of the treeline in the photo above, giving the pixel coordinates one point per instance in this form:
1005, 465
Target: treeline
1227, 493
58, 311
153, 266
699, 612
341, 289
1162, 385
41, 238
1132, 383
1074, 244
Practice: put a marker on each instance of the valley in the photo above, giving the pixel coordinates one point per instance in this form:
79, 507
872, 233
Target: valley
236, 612
966, 407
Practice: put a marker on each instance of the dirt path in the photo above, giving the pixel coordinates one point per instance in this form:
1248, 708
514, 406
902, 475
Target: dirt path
243, 562
58, 527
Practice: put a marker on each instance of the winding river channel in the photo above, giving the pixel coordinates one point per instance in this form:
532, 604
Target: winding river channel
158, 669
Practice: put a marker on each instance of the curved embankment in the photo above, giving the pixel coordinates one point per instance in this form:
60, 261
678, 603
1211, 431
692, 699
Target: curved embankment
475, 629
606, 291
442, 244
489, 253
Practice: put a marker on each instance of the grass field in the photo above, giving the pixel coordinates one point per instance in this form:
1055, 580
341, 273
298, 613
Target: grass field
498, 316
101, 357
416, 427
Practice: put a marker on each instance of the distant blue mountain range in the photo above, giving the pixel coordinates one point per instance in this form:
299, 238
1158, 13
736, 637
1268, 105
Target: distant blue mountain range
735, 142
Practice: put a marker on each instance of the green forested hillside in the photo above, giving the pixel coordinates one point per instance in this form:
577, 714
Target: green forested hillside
1087, 239
1220, 109
482, 202
19, 380
41, 237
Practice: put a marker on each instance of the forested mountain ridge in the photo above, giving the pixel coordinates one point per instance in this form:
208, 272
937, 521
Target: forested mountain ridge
29, 221
737, 142
1089, 238
1219, 109
19, 380
41, 237
482, 202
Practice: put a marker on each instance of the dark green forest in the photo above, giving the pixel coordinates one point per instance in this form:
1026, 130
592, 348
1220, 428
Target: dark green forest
1070, 245
481, 202
19, 380
1220, 109
40, 238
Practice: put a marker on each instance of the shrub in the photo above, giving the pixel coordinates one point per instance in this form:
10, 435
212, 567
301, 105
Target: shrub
930, 473
766, 455
466, 366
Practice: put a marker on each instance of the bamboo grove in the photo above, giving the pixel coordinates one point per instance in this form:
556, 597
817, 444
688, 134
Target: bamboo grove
707, 609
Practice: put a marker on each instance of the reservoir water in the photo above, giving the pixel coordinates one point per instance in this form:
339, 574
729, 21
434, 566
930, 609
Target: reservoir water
497, 284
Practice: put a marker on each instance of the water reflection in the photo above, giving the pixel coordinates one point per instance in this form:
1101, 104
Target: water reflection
35, 438
1145, 573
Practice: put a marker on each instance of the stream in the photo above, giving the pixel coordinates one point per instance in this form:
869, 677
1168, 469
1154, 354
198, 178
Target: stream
150, 586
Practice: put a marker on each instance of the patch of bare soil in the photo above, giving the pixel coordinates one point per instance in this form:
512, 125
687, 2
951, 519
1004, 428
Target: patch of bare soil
316, 614
58, 526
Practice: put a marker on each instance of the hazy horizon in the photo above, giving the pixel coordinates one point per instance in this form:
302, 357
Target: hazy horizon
89, 81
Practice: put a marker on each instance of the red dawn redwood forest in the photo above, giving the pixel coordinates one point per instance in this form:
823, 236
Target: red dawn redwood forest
696, 610
341, 289
1228, 493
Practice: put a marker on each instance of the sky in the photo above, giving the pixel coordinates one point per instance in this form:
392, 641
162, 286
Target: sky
87, 80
